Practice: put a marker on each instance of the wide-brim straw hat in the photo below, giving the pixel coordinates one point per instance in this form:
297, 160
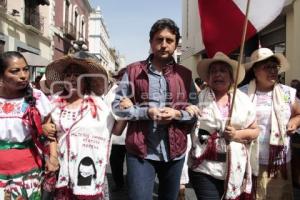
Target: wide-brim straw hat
95, 72
265, 53
43, 85
203, 66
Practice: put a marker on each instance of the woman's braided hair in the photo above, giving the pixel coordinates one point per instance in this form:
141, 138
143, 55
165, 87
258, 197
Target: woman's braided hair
32, 115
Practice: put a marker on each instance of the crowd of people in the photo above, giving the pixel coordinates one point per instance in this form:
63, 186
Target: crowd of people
58, 137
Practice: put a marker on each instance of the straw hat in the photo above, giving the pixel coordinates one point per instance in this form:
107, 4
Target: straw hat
203, 66
88, 62
43, 85
265, 53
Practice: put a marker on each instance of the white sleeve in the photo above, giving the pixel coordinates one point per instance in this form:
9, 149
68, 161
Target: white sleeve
109, 98
251, 114
42, 103
110, 120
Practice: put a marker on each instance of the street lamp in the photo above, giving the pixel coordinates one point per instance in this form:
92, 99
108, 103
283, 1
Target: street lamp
78, 45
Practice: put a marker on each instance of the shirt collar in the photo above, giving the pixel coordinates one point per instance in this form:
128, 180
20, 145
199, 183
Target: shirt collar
168, 67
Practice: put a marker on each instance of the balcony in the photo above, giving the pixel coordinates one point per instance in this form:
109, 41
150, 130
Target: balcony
70, 31
34, 19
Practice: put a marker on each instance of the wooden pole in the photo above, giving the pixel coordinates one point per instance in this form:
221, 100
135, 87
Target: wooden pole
228, 157
240, 60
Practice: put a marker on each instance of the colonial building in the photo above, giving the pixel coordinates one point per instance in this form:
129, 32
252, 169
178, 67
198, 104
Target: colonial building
100, 43
99, 38
282, 35
23, 27
70, 23
48, 29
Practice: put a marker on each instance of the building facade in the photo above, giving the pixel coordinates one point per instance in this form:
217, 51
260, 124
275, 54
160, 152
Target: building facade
99, 39
282, 35
50, 28
23, 28
71, 18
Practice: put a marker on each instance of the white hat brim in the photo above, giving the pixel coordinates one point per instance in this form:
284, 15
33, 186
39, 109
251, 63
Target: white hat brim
283, 62
54, 72
203, 65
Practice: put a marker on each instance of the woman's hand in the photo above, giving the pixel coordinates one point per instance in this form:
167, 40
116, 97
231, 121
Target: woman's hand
244, 136
125, 103
230, 133
49, 130
52, 164
291, 127
294, 122
193, 110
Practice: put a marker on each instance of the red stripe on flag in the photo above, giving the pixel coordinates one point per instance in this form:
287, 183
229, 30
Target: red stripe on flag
222, 26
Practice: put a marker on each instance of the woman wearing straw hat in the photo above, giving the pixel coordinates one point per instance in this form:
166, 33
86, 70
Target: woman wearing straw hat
278, 116
83, 123
44, 87
22, 110
209, 167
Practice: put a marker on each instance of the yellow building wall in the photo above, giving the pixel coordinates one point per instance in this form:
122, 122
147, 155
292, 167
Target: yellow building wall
192, 43
17, 34
191, 63
293, 42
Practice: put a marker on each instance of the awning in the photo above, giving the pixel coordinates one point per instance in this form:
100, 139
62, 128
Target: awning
35, 60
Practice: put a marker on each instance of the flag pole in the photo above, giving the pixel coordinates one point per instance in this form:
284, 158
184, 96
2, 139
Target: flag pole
228, 157
239, 60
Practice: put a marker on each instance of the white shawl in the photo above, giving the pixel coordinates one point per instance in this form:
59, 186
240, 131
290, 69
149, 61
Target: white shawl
237, 171
278, 131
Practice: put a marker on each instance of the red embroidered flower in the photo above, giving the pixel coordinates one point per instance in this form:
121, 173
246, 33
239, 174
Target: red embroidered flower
35, 185
234, 188
98, 186
62, 179
99, 162
60, 155
20, 198
8, 107
239, 167
73, 156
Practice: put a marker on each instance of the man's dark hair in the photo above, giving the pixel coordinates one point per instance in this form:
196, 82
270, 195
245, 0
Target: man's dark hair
161, 24
5, 58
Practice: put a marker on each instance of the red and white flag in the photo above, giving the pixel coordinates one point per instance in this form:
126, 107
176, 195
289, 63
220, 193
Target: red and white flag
222, 21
